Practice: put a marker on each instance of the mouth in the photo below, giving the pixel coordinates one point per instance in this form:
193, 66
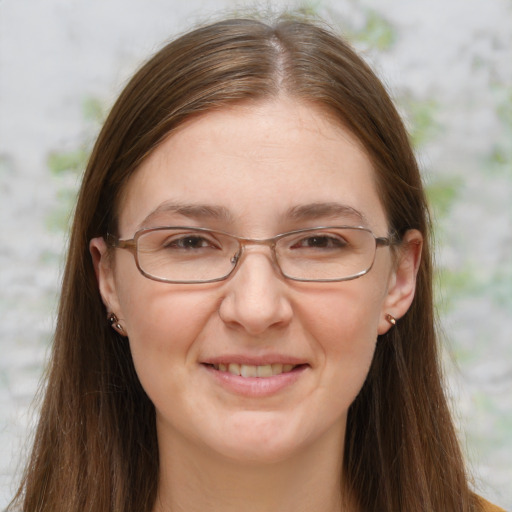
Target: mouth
262, 371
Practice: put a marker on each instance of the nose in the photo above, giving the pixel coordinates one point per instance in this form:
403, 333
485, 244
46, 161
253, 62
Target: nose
256, 296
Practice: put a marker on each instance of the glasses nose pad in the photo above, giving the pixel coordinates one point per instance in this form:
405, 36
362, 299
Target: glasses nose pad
236, 257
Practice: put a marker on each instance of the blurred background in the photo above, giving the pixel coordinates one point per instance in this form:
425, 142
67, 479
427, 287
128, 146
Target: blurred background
448, 65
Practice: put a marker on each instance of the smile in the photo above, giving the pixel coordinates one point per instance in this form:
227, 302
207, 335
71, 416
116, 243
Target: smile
256, 380
246, 370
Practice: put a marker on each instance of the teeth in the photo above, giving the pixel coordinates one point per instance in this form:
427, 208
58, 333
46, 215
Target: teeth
234, 368
247, 370
277, 369
264, 371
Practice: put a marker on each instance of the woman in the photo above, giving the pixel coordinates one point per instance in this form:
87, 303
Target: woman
246, 318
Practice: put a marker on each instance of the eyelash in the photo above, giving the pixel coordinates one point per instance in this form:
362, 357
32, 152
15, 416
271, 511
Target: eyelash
333, 242
180, 241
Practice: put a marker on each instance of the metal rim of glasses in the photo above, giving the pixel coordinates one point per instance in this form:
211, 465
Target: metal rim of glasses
131, 245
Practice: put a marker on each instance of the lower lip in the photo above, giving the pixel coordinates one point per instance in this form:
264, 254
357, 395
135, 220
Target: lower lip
256, 386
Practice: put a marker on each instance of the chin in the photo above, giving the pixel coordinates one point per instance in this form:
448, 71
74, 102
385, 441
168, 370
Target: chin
261, 440
258, 453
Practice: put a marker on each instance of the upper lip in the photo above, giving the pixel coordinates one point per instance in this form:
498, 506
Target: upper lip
252, 360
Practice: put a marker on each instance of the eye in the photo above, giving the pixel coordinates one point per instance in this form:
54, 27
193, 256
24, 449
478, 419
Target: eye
190, 242
320, 241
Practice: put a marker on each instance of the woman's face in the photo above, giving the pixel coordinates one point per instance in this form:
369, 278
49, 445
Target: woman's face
254, 170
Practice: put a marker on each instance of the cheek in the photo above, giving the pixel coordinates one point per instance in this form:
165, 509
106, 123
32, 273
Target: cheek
349, 340
162, 327
344, 325
348, 315
155, 312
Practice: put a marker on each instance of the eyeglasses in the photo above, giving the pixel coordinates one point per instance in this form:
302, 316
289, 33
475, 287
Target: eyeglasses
199, 255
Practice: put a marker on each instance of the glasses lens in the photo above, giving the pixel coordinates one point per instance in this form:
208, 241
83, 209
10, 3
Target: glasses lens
326, 254
199, 255
181, 255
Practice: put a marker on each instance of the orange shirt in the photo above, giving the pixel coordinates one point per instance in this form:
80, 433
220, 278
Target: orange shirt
489, 507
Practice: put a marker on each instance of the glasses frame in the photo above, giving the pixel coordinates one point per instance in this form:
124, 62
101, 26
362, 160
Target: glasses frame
131, 246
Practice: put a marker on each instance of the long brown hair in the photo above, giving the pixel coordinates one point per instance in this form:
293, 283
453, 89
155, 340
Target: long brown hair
95, 448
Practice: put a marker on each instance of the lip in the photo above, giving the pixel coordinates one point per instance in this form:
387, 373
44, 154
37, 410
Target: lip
255, 387
253, 360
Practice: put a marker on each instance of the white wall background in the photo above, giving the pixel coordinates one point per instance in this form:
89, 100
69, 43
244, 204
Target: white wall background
449, 62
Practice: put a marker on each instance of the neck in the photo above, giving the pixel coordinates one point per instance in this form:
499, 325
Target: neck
194, 479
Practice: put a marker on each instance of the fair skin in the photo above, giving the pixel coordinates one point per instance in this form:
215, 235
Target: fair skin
260, 444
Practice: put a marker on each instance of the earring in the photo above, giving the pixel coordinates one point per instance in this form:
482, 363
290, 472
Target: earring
391, 319
114, 323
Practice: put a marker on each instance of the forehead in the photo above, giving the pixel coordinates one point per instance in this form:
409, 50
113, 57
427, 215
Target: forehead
257, 164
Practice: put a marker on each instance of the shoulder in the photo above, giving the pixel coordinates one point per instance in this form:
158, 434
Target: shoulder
485, 506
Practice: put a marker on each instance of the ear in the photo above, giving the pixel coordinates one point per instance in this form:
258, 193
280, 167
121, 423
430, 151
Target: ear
103, 268
402, 281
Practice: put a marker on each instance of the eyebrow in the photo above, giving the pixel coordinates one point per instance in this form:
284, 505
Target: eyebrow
321, 210
305, 212
192, 211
